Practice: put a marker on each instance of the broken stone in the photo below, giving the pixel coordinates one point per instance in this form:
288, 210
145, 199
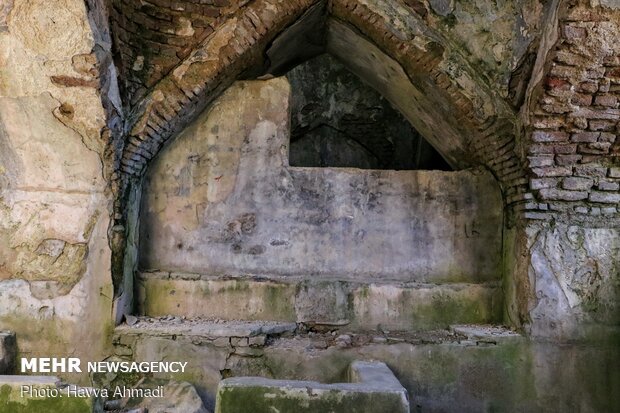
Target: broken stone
179, 397
131, 320
8, 352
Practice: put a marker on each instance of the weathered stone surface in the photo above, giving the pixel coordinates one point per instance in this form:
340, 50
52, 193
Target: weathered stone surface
414, 308
222, 200
389, 78
373, 388
604, 197
54, 29
322, 303
205, 328
226, 299
444, 86
359, 305
179, 397
483, 366
574, 278
54, 209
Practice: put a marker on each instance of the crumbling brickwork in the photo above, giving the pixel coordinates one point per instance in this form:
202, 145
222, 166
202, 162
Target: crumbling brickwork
573, 149
203, 75
487, 123
154, 36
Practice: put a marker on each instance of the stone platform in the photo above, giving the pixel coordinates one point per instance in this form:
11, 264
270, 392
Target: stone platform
360, 305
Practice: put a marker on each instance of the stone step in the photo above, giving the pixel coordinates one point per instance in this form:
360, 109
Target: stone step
203, 328
359, 305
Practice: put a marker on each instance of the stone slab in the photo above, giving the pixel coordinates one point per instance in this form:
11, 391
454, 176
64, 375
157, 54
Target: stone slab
375, 389
175, 326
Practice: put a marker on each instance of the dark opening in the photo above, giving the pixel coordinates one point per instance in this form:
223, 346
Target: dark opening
339, 121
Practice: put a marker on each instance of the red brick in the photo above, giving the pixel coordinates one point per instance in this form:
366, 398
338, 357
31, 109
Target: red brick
564, 149
556, 108
591, 170
545, 136
577, 184
589, 113
548, 122
565, 72
567, 160
552, 82
605, 197
609, 101
607, 137
566, 57
540, 183
574, 33
588, 86
541, 149
602, 125
585, 137
551, 171
596, 148
581, 99
562, 195
535, 161
605, 185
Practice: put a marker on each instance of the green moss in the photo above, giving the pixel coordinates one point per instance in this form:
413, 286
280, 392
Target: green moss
260, 399
279, 301
64, 404
443, 310
450, 20
364, 291
238, 286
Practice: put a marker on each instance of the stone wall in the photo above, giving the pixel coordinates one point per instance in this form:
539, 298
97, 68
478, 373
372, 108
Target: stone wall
55, 201
60, 167
222, 200
563, 259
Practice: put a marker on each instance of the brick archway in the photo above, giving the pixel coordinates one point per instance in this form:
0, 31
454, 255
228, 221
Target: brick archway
480, 127
435, 85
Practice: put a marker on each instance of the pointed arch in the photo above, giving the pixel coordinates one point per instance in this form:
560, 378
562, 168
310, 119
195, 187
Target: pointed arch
386, 43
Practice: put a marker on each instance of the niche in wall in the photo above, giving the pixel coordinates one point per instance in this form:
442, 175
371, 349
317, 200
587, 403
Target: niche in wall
339, 121
222, 201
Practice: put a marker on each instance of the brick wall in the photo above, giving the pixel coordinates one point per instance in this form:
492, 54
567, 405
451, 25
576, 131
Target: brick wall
154, 36
573, 150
